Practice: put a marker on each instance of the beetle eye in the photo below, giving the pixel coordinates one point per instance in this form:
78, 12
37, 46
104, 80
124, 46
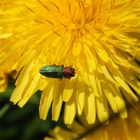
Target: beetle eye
72, 72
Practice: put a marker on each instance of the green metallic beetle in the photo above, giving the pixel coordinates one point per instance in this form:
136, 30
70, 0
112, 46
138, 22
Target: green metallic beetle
54, 71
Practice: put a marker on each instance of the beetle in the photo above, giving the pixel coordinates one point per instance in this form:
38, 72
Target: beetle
54, 71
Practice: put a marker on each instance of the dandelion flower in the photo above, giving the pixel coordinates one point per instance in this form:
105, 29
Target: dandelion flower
99, 39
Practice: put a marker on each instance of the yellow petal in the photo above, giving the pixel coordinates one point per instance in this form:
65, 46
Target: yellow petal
68, 90
21, 85
119, 101
130, 96
57, 99
102, 106
110, 97
90, 108
70, 110
80, 98
6, 35
46, 100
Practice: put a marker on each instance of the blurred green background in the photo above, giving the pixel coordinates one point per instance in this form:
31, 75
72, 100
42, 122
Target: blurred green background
23, 123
